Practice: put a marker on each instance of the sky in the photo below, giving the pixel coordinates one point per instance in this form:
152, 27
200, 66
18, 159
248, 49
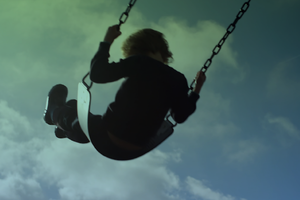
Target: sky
242, 143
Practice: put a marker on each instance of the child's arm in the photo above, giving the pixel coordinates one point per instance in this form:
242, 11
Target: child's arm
101, 70
112, 33
200, 79
185, 105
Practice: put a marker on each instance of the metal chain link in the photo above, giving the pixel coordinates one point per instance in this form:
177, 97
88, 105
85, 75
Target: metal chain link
125, 14
229, 30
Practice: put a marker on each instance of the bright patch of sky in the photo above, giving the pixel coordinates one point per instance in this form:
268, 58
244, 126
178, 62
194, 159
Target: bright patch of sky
242, 143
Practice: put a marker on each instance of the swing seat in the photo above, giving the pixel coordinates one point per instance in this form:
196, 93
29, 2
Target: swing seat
83, 110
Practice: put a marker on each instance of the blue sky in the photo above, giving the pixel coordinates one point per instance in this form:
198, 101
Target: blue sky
242, 143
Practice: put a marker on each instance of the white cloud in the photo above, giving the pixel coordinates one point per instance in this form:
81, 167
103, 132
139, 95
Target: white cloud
15, 187
8, 124
29, 167
284, 124
244, 150
211, 120
193, 44
83, 172
79, 171
199, 189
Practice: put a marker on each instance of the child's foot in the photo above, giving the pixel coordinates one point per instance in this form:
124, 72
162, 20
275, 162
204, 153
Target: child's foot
72, 103
56, 98
60, 133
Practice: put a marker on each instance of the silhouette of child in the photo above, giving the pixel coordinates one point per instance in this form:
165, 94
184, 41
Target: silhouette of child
151, 88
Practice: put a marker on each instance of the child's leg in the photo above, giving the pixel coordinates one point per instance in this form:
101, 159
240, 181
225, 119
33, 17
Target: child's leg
65, 117
62, 114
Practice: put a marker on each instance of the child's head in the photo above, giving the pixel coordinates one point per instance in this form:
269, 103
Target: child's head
145, 41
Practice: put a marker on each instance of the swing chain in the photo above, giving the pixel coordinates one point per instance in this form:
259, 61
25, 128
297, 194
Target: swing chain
88, 86
125, 14
229, 30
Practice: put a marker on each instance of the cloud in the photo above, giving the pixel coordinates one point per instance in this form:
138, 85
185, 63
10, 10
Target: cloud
243, 151
84, 173
75, 171
15, 187
193, 44
285, 125
8, 124
20, 142
211, 120
199, 189
283, 81
78, 171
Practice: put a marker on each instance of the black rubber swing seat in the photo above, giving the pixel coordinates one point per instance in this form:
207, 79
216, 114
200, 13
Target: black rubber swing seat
165, 131
83, 109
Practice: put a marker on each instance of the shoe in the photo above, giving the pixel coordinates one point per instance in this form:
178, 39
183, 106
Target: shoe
59, 133
56, 98
72, 104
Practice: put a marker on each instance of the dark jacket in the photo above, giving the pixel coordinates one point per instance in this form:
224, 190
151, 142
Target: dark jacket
149, 91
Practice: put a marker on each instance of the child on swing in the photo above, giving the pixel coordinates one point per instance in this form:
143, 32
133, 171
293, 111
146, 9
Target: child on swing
151, 88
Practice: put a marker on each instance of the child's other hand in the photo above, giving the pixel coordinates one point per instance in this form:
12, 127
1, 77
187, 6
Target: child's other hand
112, 33
200, 78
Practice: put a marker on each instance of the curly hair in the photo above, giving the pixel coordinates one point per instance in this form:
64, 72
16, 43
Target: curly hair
145, 41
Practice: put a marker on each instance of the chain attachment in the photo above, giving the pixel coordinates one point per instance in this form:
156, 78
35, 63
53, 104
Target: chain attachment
124, 16
218, 47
